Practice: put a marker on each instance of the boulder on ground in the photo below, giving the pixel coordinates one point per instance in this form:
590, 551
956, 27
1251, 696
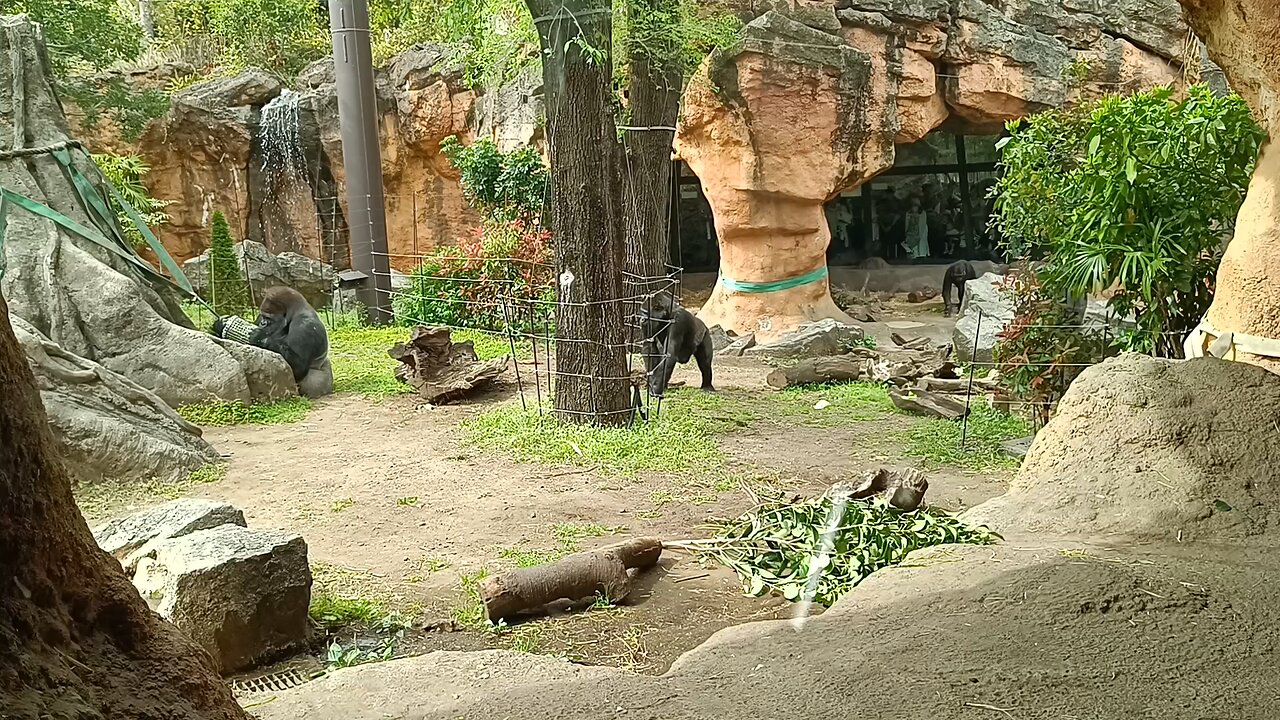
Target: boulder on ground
124, 536
1147, 447
738, 347
817, 339
931, 404
984, 314
314, 279
106, 426
719, 338
241, 594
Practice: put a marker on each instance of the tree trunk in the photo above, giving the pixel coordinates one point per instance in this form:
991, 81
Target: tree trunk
76, 639
145, 19
653, 96
591, 366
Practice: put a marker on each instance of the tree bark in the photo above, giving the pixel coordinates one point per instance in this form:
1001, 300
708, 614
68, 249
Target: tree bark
653, 96
76, 639
590, 365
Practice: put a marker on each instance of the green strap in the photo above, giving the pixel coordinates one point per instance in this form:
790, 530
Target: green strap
4, 222
91, 198
775, 285
8, 196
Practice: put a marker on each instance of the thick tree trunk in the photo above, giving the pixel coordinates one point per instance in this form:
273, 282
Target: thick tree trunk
591, 367
653, 96
76, 639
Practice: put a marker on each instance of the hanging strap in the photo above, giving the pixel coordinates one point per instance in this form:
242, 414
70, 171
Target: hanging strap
775, 285
1206, 340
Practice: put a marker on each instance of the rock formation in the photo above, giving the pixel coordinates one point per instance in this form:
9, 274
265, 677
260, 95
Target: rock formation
812, 101
1244, 37
92, 302
263, 270
107, 427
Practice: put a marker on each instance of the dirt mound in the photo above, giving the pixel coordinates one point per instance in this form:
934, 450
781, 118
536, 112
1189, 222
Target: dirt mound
1148, 447
965, 633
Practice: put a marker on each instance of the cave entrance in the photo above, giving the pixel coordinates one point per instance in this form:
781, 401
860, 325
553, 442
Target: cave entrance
692, 227
931, 207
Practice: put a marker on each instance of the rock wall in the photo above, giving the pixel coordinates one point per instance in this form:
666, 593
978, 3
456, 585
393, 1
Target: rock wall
816, 95
1244, 37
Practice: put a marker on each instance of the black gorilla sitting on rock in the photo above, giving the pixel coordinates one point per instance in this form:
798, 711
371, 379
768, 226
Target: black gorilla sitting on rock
290, 327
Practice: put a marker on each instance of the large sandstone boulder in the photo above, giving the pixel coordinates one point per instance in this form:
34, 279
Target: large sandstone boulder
1147, 447
1243, 36
263, 270
241, 594
106, 426
94, 304
806, 106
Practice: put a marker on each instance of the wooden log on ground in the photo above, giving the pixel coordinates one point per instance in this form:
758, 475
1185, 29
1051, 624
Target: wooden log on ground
573, 578
839, 368
922, 402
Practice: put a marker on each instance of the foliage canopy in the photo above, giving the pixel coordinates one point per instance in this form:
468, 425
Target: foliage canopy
1136, 192
125, 172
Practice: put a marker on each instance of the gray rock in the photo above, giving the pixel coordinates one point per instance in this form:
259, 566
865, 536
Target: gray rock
929, 404
251, 87
96, 304
817, 339
738, 347
314, 279
719, 338
267, 375
176, 518
241, 594
512, 114
106, 427
984, 314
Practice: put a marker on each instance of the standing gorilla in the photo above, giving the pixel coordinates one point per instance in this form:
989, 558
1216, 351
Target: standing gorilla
672, 335
955, 277
288, 326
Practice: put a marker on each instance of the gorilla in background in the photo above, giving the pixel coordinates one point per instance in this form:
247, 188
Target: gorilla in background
289, 327
673, 335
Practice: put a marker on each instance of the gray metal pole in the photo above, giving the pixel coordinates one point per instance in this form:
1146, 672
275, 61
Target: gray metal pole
361, 156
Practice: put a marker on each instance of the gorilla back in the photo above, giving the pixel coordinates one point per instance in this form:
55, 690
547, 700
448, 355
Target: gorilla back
288, 326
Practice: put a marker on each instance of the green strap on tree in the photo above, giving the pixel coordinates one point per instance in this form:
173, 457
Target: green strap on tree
98, 211
775, 285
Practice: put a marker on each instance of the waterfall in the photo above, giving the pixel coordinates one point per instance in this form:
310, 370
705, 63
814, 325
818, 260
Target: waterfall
288, 213
281, 138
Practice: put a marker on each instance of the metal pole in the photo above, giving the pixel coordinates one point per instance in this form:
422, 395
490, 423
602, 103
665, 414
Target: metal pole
361, 157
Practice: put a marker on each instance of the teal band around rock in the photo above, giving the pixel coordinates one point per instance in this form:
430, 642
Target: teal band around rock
774, 285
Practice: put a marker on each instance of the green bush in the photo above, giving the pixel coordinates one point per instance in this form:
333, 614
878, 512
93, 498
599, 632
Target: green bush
281, 36
113, 97
504, 186
228, 291
502, 273
1137, 191
83, 34
125, 172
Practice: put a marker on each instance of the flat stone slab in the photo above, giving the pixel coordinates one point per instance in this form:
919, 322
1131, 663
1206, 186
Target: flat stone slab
241, 594
173, 519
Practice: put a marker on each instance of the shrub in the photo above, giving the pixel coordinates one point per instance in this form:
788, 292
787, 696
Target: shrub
503, 186
125, 172
1042, 351
228, 291
82, 34
467, 285
282, 36
1136, 191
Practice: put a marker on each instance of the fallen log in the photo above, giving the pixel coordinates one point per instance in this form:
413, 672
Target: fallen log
903, 489
922, 402
576, 577
839, 368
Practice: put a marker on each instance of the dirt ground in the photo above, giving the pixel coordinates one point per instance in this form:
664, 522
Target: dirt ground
394, 507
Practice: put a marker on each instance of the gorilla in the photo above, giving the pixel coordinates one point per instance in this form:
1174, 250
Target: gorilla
957, 274
672, 335
289, 327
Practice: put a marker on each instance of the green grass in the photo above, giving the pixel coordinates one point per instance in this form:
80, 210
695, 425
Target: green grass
470, 610
680, 440
234, 412
341, 504
332, 611
407, 501
110, 498
207, 474
568, 536
938, 441
848, 403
